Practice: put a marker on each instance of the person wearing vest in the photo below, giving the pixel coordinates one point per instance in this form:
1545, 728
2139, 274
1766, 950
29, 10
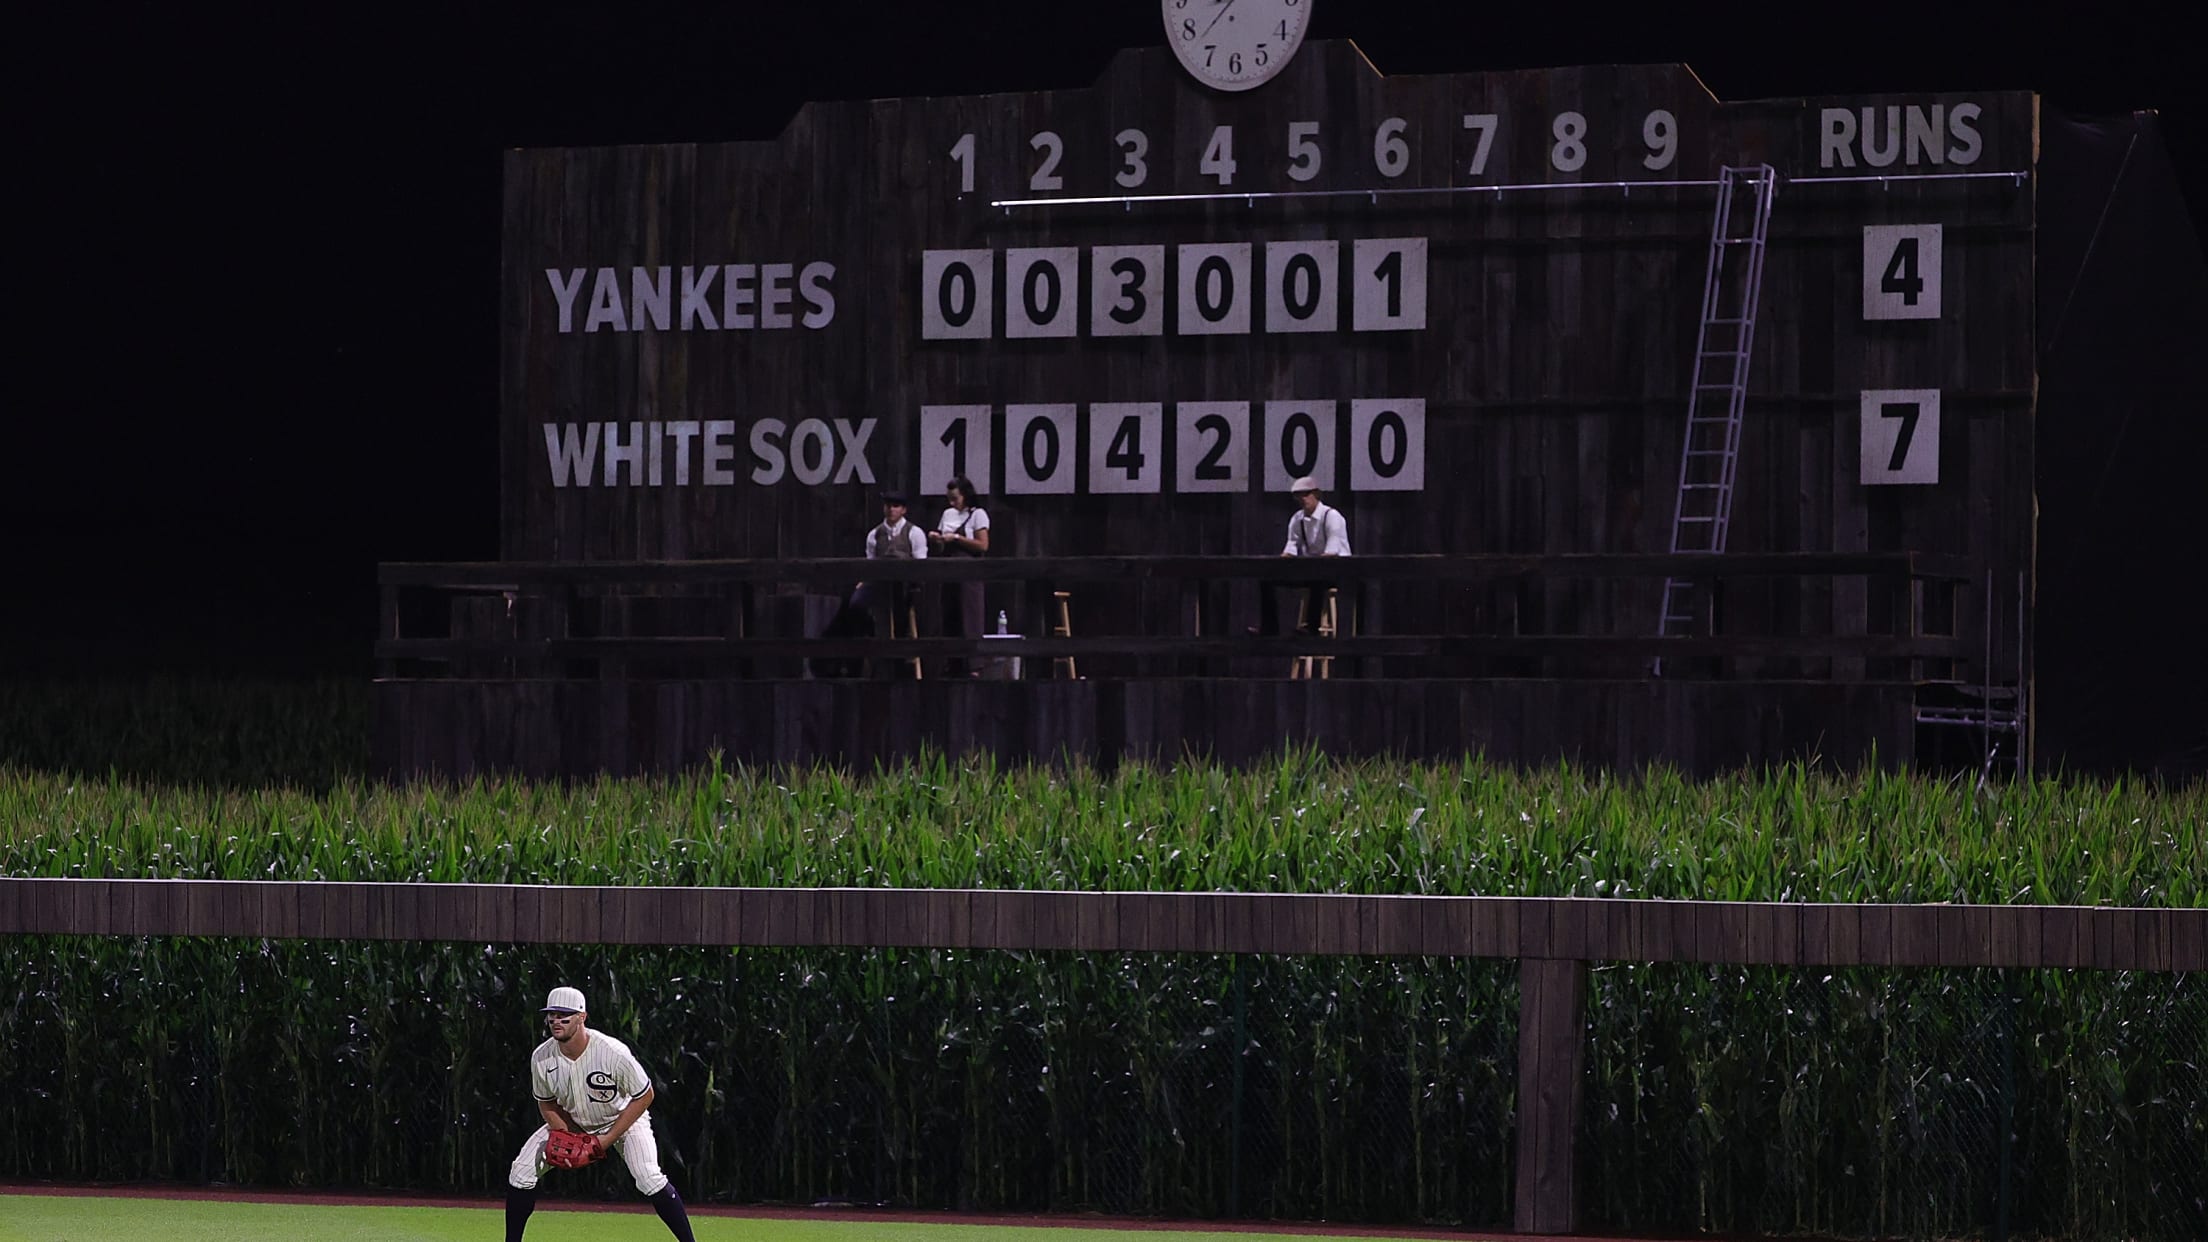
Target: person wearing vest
874, 605
963, 530
1316, 529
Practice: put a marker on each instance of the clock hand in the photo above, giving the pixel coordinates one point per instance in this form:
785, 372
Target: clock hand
1215, 17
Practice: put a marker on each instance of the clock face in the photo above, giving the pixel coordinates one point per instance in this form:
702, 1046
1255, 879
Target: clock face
1234, 45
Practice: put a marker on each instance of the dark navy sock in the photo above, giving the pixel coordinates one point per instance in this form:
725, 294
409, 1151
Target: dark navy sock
519, 1203
676, 1217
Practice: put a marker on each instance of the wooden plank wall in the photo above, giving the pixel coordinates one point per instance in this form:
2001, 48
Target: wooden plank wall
1554, 364
1549, 928
1554, 938
549, 728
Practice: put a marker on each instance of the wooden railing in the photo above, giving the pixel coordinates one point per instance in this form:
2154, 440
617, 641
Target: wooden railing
1554, 938
535, 605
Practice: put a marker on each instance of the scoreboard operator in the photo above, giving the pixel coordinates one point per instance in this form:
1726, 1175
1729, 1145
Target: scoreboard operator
594, 1098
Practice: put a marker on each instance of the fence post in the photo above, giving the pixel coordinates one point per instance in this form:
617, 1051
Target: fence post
2006, 1136
1552, 1054
1234, 1120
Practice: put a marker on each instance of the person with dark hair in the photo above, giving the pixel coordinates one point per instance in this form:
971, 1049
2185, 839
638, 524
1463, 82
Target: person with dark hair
873, 606
895, 539
963, 530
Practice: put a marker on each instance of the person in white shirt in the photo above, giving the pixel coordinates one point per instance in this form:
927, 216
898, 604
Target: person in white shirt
963, 530
587, 1081
1316, 529
873, 607
895, 539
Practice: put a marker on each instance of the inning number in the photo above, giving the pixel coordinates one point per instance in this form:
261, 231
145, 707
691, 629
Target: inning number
1901, 271
1389, 153
1482, 124
962, 154
1303, 150
1570, 152
1046, 175
1218, 160
1133, 144
1660, 132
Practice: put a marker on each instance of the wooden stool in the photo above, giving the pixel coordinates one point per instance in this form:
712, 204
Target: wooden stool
911, 611
1306, 667
1061, 626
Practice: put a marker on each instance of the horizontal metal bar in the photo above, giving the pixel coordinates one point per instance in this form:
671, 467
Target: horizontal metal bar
697, 647
2016, 176
1392, 191
2004, 721
841, 571
1252, 196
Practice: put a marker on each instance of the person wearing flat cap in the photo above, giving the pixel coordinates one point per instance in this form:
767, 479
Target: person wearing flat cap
589, 1083
895, 539
1316, 529
870, 609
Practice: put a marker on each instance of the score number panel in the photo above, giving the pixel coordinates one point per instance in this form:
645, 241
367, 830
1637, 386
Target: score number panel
1185, 447
1213, 289
1899, 429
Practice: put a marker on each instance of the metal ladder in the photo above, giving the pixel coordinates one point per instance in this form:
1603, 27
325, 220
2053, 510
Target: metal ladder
1702, 513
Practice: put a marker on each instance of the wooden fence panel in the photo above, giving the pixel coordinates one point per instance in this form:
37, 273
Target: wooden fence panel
1548, 928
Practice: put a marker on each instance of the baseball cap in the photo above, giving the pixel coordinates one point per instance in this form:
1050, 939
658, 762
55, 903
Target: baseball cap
564, 1000
1304, 484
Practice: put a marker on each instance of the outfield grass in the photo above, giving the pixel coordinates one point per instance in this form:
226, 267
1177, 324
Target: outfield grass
55, 1218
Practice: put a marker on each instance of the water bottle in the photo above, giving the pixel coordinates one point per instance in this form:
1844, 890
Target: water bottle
1003, 622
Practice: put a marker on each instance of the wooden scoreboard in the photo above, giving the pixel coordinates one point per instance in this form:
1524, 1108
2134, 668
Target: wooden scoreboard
1470, 305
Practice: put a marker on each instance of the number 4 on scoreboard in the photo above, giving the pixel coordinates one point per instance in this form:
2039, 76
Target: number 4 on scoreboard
1901, 271
1126, 451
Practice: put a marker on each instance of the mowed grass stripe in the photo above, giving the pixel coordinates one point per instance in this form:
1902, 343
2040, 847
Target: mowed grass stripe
54, 1218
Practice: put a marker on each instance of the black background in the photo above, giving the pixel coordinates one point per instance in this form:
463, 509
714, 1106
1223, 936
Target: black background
256, 285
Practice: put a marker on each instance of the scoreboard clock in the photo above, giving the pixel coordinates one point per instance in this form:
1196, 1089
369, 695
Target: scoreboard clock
1235, 45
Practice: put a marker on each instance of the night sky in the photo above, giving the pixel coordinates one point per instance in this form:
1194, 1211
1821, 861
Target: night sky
256, 352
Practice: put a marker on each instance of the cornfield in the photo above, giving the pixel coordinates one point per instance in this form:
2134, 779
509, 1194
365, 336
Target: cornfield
1303, 824
1859, 1102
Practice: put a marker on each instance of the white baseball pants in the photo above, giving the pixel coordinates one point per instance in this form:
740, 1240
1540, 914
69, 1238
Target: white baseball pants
639, 1150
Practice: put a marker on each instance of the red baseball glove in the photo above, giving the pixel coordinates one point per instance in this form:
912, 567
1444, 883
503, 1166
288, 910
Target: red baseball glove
570, 1149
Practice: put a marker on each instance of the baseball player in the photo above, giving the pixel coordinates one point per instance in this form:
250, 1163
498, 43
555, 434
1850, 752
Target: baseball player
594, 1099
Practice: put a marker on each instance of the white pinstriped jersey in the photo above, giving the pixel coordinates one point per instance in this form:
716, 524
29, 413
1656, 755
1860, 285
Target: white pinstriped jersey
594, 1087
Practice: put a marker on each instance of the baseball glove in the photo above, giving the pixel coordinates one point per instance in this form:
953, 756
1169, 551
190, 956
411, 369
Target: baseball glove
570, 1149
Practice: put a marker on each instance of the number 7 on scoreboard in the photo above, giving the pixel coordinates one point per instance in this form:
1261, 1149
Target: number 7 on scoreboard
1900, 436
